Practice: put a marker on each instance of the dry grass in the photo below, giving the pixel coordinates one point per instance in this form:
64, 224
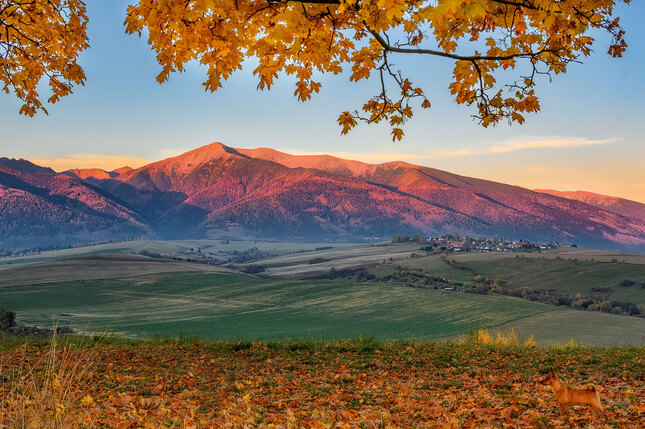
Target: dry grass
483, 336
46, 389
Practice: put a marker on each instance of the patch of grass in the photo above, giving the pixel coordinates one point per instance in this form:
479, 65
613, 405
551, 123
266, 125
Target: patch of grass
433, 264
44, 384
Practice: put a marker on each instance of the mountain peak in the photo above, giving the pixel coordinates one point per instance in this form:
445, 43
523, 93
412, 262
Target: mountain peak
122, 170
87, 173
201, 155
211, 151
23, 166
186, 162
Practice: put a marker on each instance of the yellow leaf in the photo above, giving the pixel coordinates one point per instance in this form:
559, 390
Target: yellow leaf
397, 134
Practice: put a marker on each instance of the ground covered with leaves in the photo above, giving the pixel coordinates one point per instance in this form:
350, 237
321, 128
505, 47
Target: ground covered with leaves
360, 383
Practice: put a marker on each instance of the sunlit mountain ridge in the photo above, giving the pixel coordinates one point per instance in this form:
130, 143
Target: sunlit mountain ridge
220, 192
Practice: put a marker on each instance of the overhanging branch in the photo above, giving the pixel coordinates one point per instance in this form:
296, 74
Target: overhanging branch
391, 48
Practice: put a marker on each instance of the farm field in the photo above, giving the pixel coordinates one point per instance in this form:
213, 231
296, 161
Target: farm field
586, 327
238, 306
572, 277
575, 274
303, 265
115, 288
95, 267
174, 248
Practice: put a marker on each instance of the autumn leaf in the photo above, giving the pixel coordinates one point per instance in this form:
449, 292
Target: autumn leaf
397, 134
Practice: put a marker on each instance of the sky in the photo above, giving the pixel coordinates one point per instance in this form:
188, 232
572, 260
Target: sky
589, 134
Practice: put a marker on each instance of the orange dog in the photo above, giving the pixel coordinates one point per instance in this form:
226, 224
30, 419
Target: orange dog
567, 395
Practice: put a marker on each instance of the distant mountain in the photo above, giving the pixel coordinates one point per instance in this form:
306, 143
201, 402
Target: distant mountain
507, 210
22, 166
219, 191
122, 170
618, 205
51, 209
91, 173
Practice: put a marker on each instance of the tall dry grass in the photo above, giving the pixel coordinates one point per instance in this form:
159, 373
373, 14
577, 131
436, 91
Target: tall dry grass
483, 336
46, 389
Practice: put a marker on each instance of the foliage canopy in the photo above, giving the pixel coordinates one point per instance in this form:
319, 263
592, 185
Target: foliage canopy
41, 39
499, 47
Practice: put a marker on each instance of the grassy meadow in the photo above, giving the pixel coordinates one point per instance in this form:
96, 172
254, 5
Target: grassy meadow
568, 276
538, 271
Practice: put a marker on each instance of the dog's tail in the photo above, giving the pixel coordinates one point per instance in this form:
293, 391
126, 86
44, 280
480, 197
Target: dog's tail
591, 388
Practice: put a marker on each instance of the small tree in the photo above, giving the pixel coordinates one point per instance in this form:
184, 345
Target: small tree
7, 319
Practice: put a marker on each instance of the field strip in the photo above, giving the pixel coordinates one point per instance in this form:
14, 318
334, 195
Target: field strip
303, 269
239, 306
96, 268
367, 251
562, 253
586, 327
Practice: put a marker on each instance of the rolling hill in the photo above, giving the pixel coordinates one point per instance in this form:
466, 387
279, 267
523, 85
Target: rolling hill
219, 191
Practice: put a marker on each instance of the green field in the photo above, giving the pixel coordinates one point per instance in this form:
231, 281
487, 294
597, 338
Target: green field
433, 264
240, 306
568, 275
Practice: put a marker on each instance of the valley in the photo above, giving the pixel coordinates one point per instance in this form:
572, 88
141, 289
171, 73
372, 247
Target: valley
317, 291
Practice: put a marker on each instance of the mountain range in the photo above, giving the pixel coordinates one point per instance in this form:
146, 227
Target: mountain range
217, 191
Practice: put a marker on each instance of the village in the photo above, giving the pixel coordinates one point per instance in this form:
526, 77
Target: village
455, 243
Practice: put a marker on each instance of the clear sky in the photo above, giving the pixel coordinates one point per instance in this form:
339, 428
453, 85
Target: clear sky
589, 134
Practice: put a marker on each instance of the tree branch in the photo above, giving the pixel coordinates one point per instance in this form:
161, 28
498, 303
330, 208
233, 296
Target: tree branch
391, 48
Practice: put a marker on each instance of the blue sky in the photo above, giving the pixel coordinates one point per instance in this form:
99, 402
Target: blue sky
589, 134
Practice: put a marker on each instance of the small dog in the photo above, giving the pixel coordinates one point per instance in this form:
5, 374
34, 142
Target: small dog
567, 395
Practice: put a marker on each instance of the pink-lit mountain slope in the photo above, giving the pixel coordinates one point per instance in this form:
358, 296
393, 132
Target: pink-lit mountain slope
218, 191
91, 173
618, 205
42, 209
511, 210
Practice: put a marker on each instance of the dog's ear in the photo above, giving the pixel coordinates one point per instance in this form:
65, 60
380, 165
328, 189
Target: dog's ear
552, 371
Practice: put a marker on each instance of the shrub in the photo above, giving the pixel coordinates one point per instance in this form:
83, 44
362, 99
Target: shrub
254, 269
626, 283
7, 319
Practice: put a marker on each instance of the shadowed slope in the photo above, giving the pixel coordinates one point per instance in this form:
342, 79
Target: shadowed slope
46, 209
